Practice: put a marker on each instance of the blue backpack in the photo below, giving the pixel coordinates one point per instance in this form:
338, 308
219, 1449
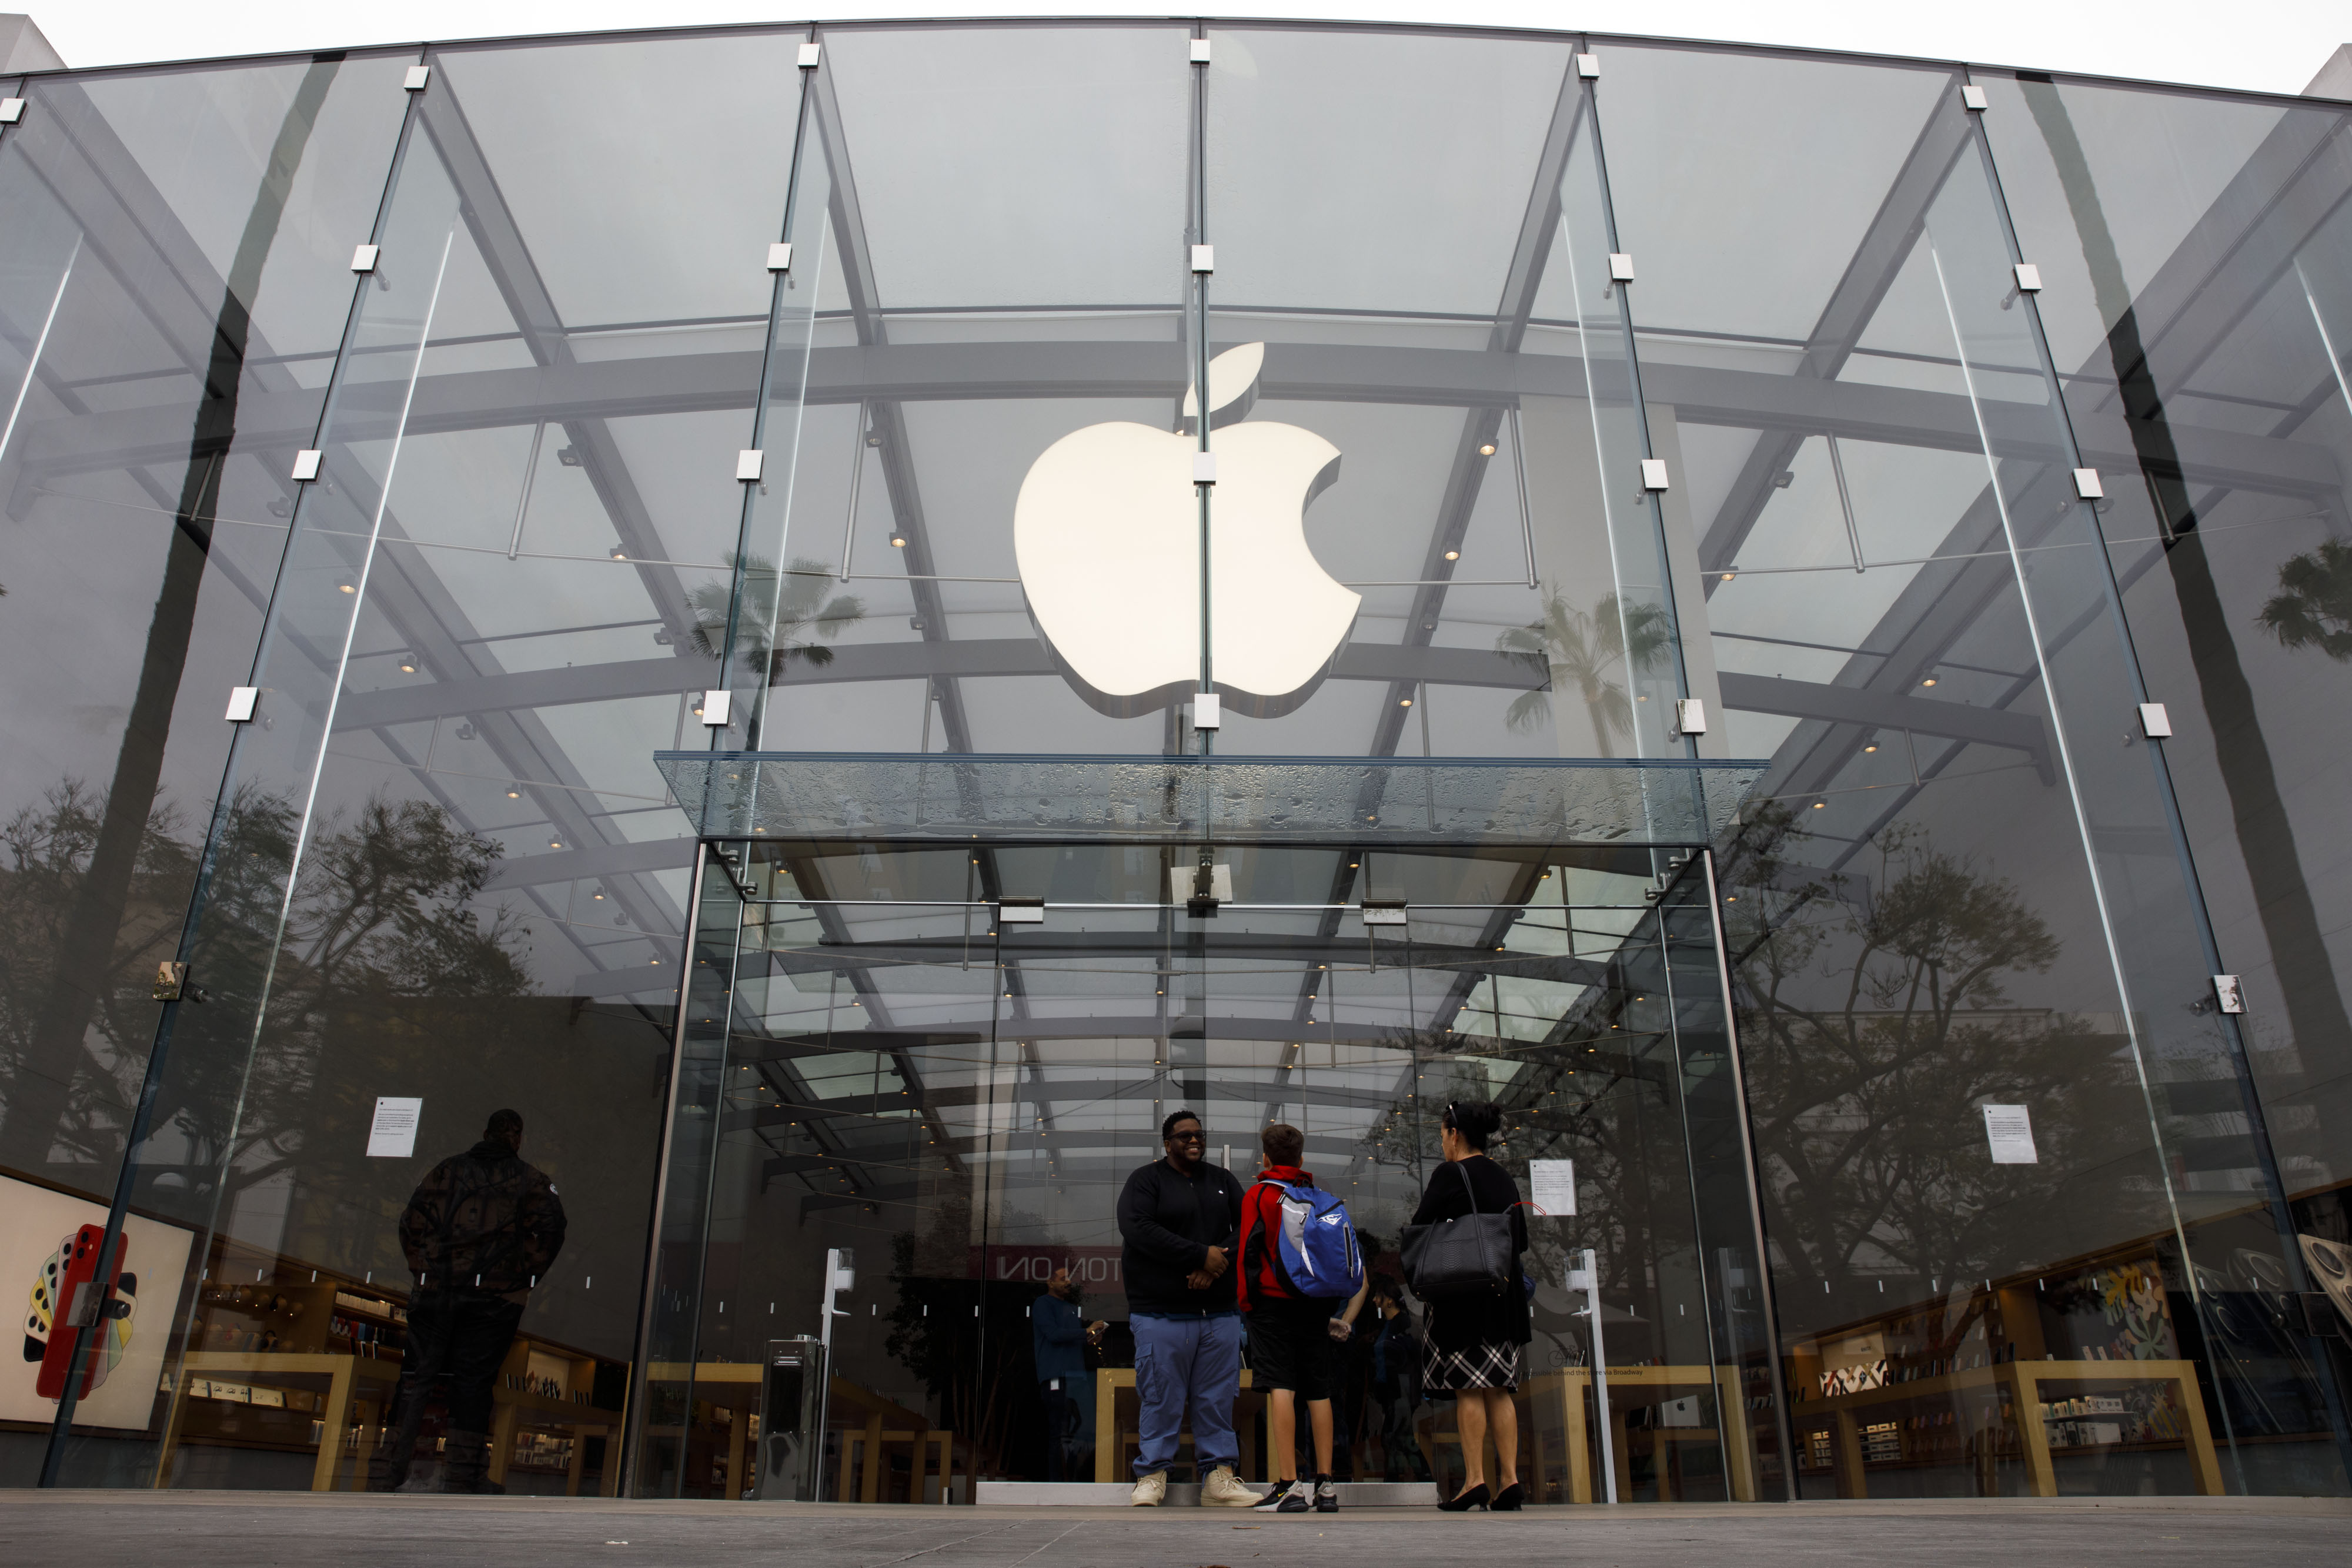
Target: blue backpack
1315, 1249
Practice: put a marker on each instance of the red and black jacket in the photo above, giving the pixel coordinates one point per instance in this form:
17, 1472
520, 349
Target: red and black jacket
1261, 1278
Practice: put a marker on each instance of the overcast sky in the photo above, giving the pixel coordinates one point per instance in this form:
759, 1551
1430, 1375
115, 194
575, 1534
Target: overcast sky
2272, 45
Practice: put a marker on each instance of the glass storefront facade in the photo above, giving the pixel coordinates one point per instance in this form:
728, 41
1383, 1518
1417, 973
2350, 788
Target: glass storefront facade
760, 499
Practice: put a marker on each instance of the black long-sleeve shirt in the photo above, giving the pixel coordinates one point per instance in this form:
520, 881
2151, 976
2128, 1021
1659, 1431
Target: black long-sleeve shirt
1462, 1322
1169, 1222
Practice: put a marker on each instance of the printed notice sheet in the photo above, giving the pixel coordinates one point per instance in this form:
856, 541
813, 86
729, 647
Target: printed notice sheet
2010, 1131
392, 1134
1554, 1182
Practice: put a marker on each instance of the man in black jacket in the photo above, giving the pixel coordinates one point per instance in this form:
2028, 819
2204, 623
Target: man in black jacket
1179, 1217
479, 1233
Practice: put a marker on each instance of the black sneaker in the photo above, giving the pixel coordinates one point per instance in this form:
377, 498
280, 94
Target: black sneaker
1295, 1498
1272, 1501
1327, 1497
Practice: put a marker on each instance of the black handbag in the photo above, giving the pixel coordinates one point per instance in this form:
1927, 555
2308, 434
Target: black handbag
1465, 1258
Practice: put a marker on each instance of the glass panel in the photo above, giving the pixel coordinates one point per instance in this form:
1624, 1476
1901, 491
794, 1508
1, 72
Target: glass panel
1153, 798
444, 856
2219, 448
173, 282
1919, 938
980, 294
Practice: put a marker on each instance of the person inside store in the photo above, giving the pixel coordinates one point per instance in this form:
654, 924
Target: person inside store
1179, 1217
1396, 1382
480, 1234
1291, 1336
1473, 1344
1059, 1340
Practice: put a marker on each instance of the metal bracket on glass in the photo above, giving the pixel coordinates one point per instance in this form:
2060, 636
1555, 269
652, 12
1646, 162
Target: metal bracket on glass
1620, 266
2029, 277
780, 256
1020, 910
748, 464
306, 464
2087, 486
242, 700
364, 258
1653, 473
2154, 722
810, 54
1199, 51
12, 110
714, 706
1588, 67
416, 78
1204, 258
1384, 912
1208, 710
2229, 993
1204, 468
1690, 716
1972, 96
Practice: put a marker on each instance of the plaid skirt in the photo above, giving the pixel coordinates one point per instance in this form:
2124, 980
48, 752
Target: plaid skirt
1485, 1364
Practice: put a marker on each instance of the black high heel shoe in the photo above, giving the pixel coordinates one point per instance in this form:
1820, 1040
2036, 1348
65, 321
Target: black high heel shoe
1508, 1499
1475, 1497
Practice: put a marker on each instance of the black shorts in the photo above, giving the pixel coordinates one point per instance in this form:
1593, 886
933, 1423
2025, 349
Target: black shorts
1290, 1346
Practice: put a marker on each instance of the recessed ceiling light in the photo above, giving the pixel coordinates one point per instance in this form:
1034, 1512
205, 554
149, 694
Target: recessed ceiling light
619, 554
897, 541
1488, 450
345, 587
408, 664
555, 843
1820, 805
1928, 682
1453, 554
1872, 746
1729, 575
1404, 702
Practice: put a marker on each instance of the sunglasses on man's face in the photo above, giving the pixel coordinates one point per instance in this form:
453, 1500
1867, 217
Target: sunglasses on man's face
1194, 1137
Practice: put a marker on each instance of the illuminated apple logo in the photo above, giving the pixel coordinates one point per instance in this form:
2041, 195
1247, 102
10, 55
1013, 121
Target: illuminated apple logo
1106, 533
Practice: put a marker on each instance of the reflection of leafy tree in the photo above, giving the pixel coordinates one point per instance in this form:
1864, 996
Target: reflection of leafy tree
47, 850
1874, 1033
1582, 646
381, 938
801, 611
976, 1369
2314, 606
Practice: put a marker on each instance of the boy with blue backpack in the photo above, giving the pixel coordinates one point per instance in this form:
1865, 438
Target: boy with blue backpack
1298, 1262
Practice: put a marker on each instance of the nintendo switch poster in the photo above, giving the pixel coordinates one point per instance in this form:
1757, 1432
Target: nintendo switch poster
38, 1230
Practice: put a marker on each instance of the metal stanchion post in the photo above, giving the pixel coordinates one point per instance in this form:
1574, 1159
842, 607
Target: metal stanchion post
1585, 1276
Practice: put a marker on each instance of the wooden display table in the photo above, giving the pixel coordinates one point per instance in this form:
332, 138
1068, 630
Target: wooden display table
360, 1393
2022, 1380
1112, 1440
886, 1422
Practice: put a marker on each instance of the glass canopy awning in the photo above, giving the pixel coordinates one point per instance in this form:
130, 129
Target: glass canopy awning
942, 797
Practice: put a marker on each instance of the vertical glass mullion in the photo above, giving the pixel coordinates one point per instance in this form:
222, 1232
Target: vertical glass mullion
661, 1404
751, 649
1636, 522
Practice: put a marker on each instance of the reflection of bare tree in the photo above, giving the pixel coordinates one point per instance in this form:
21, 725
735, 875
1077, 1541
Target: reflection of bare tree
1873, 1034
1581, 648
2314, 605
801, 611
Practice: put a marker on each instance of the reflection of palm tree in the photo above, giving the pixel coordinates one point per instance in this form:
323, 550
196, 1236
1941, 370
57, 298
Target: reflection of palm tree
802, 610
1581, 646
2317, 607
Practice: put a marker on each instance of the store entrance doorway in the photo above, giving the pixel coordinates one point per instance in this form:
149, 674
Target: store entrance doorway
945, 1060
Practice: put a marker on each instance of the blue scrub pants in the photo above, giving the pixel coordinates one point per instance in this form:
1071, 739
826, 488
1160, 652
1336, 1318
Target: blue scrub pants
1187, 1363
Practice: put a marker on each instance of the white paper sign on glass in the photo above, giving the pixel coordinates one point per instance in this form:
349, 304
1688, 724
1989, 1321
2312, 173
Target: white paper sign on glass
1554, 1185
392, 1134
2008, 1130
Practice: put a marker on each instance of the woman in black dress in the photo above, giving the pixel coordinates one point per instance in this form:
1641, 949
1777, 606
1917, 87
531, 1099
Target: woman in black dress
1473, 1344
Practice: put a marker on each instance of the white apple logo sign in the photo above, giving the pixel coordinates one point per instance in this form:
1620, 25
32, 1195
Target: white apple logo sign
1107, 535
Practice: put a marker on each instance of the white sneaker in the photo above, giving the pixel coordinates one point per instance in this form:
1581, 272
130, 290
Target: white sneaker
1225, 1489
1149, 1490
